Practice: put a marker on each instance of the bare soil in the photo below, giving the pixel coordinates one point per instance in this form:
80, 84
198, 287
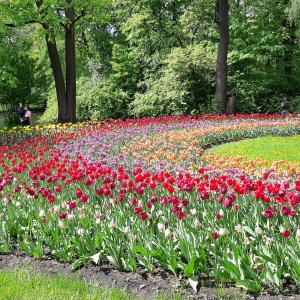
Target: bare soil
142, 283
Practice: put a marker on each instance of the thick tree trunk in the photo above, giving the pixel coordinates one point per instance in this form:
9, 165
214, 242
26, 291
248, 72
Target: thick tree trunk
58, 79
65, 91
70, 66
222, 11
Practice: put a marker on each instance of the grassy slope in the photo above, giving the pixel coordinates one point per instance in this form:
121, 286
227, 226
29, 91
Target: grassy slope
268, 148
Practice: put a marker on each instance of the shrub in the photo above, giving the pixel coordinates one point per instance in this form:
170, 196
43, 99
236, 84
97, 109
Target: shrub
184, 84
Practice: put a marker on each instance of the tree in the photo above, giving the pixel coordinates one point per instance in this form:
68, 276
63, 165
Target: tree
65, 88
22, 72
53, 16
294, 12
222, 18
288, 42
257, 60
163, 39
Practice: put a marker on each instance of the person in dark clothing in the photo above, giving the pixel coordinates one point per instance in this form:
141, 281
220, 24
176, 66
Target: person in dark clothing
22, 112
285, 105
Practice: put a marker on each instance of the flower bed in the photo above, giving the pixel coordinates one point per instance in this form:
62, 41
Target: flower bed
141, 192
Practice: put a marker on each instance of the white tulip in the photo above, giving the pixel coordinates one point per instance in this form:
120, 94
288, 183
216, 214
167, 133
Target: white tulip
161, 227
222, 232
197, 223
42, 213
80, 231
168, 233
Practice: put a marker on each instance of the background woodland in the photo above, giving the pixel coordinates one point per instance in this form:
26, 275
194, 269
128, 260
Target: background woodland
113, 58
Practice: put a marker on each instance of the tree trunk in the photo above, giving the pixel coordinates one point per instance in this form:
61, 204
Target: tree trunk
70, 66
65, 91
58, 79
222, 11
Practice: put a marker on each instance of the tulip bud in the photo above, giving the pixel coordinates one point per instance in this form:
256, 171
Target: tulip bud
246, 240
239, 228
61, 224
42, 213
286, 233
112, 224
56, 208
258, 231
197, 223
80, 231
214, 235
71, 217
222, 232
168, 233
161, 227
193, 212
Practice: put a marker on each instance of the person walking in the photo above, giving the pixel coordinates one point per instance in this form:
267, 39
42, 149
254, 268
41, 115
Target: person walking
285, 105
21, 112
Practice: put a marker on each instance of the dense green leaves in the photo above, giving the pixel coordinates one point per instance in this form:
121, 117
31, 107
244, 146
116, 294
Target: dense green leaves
153, 57
23, 76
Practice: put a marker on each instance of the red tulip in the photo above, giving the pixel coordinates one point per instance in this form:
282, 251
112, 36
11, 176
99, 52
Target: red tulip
72, 204
137, 209
227, 203
285, 210
153, 198
214, 235
218, 216
268, 213
286, 233
180, 215
63, 215
143, 215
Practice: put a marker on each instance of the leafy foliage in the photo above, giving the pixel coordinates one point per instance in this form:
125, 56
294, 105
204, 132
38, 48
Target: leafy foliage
182, 86
99, 102
23, 78
153, 57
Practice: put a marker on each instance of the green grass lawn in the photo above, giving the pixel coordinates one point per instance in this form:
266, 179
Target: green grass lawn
27, 284
268, 148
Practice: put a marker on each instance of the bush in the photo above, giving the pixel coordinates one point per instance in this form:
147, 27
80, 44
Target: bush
11, 119
100, 102
94, 102
184, 84
51, 113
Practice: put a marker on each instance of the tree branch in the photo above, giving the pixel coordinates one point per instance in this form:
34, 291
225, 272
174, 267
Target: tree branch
28, 22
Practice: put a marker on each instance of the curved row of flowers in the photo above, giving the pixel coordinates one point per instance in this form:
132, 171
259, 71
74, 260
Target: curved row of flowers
141, 192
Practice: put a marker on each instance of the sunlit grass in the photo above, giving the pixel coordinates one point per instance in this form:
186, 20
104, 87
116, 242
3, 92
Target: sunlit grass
267, 148
28, 284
